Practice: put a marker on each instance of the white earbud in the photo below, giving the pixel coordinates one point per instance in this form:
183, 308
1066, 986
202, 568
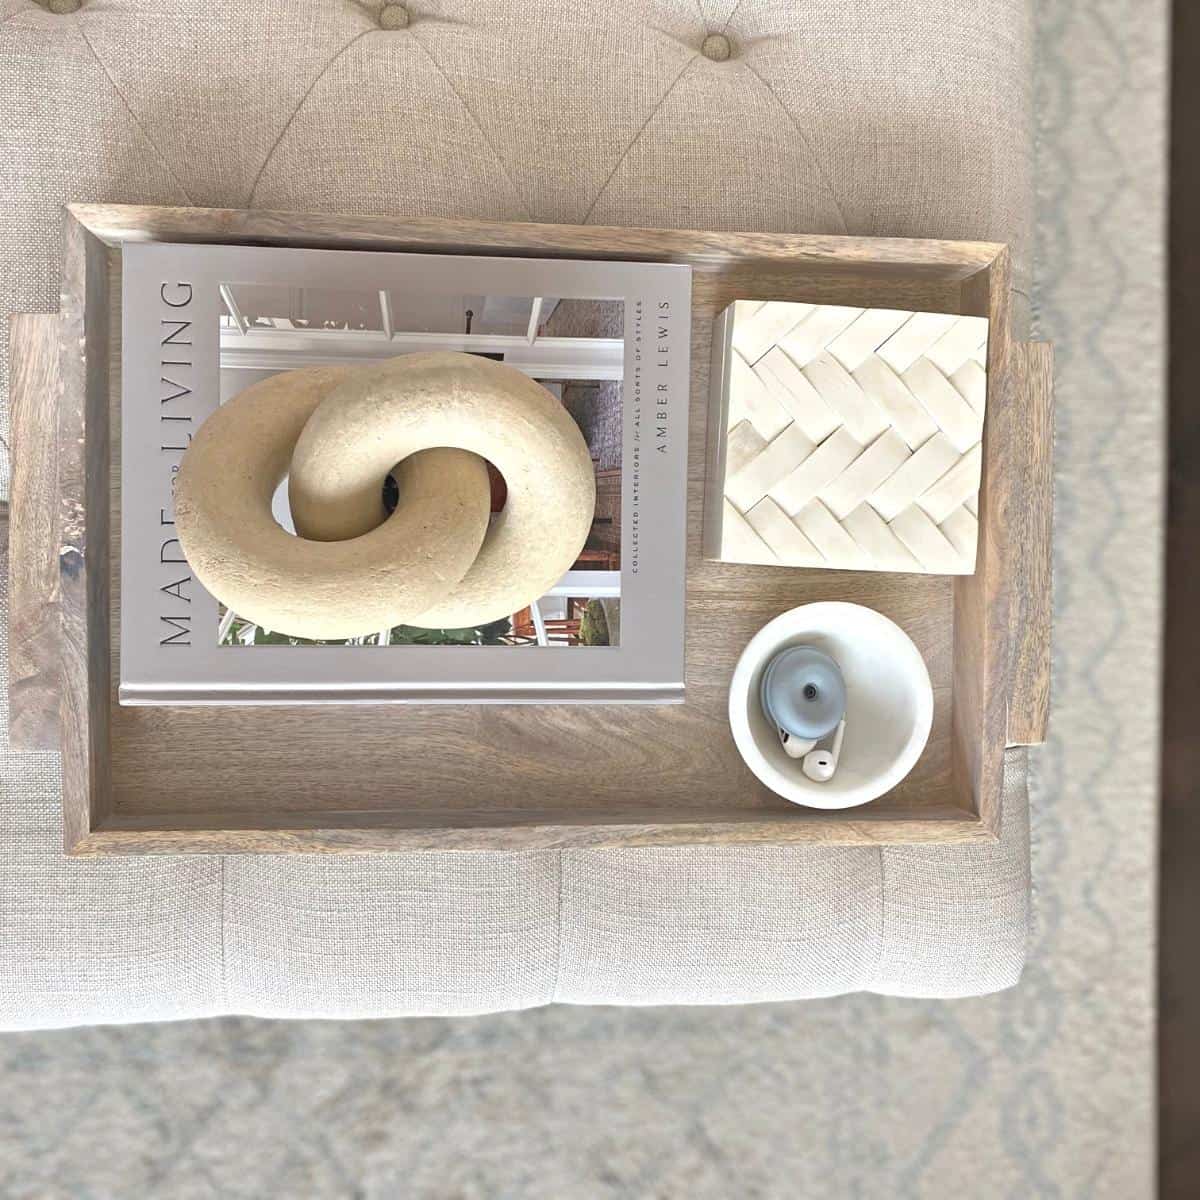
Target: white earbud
795, 747
819, 765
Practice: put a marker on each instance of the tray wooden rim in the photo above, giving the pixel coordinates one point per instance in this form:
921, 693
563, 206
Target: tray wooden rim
91, 826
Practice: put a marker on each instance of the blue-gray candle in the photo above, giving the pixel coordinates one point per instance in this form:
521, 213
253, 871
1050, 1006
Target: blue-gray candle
803, 693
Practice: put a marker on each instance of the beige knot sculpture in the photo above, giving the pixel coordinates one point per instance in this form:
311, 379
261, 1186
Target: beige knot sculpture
439, 561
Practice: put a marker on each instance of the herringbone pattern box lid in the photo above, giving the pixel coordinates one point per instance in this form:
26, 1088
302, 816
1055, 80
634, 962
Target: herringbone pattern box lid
849, 437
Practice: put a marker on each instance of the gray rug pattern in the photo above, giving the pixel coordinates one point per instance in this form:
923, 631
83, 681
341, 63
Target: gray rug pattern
1043, 1091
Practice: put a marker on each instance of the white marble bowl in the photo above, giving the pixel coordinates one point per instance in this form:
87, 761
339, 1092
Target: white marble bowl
889, 704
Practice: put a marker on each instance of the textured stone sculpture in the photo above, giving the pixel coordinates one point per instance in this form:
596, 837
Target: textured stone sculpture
430, 420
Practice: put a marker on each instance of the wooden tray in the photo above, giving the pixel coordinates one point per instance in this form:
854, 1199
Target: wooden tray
159, 780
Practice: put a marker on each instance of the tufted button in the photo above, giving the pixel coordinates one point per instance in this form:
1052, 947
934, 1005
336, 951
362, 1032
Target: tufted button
63, 6
716, 47
393, 16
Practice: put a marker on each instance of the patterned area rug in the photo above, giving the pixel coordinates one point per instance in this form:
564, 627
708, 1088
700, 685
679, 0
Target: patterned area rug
1044, 1091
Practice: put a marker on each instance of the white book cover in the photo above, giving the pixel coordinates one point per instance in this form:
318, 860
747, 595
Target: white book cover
200, 323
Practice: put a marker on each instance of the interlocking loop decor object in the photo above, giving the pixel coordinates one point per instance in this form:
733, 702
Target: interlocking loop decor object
430, 420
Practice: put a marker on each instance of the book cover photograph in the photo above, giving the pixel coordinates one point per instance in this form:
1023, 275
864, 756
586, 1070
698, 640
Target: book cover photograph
599, 349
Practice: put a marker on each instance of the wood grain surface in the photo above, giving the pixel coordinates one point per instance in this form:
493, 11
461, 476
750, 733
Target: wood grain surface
901, 257
1031, 554
368, 832
88, 694
981, 601
476, 777
33, 616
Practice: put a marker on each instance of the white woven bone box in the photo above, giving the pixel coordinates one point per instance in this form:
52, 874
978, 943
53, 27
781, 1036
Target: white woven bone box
845, 437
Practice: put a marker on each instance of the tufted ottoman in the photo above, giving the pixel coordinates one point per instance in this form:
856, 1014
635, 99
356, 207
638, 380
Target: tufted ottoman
886, 117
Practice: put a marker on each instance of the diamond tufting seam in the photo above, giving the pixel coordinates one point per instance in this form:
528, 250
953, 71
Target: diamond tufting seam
162, 158
805, 140
637, 137
308, 91
478, 125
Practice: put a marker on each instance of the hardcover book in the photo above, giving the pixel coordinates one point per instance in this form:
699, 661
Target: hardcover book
610, 340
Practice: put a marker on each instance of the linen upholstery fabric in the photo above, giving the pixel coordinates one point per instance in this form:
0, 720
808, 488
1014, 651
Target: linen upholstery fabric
888, 117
